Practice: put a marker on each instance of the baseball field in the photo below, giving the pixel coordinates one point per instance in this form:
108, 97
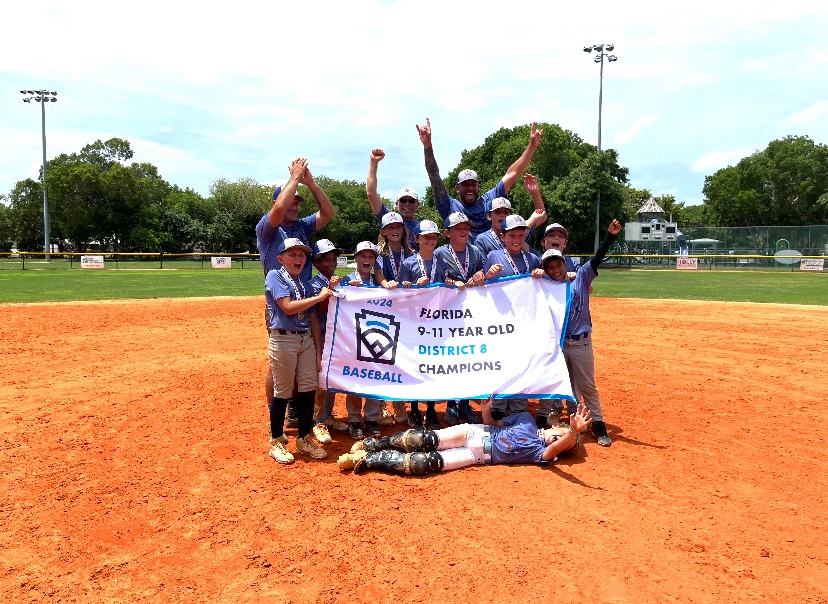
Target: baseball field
135, 469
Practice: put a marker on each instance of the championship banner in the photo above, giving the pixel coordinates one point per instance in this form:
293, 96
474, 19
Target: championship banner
443, 343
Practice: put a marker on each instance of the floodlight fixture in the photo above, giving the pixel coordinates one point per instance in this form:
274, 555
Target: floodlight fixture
586, 49
43, 96
599, 58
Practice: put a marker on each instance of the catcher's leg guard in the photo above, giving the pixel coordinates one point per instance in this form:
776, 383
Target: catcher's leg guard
409, 441
397, 462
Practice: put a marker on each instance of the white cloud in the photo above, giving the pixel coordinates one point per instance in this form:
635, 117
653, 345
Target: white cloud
810, 115
636, 127
714, 160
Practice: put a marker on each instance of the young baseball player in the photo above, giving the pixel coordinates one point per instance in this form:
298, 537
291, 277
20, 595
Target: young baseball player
365, 258
505, 262
578, 336
393, 250
293, 344
407, 200
514, 439
501, 208
459, 264
325, 254
419, 270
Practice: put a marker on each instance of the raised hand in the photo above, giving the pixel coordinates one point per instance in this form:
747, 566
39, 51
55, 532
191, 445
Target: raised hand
530, 183
534, 136
614, 227
377, 155
425, 133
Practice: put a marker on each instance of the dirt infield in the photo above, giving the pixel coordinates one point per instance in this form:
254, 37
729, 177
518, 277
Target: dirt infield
134, 468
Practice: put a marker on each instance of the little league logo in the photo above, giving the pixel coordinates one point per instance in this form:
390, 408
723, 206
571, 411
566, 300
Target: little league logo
376, 337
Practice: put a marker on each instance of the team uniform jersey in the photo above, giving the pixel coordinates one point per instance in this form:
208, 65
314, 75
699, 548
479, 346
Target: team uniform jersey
580, 320
268, 240
490, 241
458, 266
319, 282
415, 267
279, 284
412, 226
478, 212
391, 264
513, 264
518, 440
372, 280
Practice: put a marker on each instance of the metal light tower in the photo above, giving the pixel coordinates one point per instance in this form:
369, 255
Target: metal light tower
602, 50
43, 97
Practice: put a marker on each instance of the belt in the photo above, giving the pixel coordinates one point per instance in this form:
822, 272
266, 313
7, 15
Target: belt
580, 336
284, 332
487, 448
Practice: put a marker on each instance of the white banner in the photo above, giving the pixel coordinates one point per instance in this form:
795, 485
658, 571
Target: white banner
92, 261
685, 264
443, 343
812, 264
221, 262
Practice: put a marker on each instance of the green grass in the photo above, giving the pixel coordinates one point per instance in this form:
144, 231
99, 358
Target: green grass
797, 287
90, 284
96, 284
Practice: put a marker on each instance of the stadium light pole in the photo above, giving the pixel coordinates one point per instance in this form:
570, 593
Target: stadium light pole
43, 97
602, 50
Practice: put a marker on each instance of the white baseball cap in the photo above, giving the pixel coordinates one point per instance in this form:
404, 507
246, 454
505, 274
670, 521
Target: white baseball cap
455, 219
500, 203
556, 227
408, 192
466, 175
292, 242
428, 227
513, 221
391, 218
366, 245
549, 255
323, 246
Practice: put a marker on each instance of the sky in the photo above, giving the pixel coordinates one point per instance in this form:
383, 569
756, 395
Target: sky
238, 89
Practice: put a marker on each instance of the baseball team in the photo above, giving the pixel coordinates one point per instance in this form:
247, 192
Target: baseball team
485, 240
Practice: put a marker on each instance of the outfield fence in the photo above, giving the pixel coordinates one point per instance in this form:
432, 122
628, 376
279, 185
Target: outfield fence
705, 261
130, 261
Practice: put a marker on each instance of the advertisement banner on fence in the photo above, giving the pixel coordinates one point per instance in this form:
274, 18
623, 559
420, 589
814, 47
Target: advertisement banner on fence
92, 261
442, 343
687, 264
812, 264
220, 262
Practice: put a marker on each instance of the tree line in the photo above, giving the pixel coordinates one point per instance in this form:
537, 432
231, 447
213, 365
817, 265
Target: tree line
97, 196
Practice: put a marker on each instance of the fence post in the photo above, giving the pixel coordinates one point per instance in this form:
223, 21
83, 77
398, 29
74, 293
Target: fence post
161, 257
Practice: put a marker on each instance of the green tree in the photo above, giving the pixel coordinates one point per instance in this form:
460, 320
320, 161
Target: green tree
239, 206
570, 173
25, 215
785, 184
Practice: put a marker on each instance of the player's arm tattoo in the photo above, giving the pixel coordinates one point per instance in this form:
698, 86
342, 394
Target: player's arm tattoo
438, 189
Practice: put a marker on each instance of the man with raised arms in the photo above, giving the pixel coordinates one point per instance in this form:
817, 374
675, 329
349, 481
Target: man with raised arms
471, 202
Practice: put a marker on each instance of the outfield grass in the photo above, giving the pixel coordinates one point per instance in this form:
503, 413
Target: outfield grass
743, 286
798, 287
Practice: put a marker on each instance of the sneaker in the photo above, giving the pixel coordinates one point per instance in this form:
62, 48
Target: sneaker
373, 428
320, 433
279, 439
599, 431
415, 419
355, 430
279, 453
306, 446
468, 415
452, 416
335, 424
385, 418
400, 414
291, 422
432, 419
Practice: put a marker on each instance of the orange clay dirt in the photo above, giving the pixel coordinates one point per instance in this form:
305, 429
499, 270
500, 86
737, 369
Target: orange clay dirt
135, 468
